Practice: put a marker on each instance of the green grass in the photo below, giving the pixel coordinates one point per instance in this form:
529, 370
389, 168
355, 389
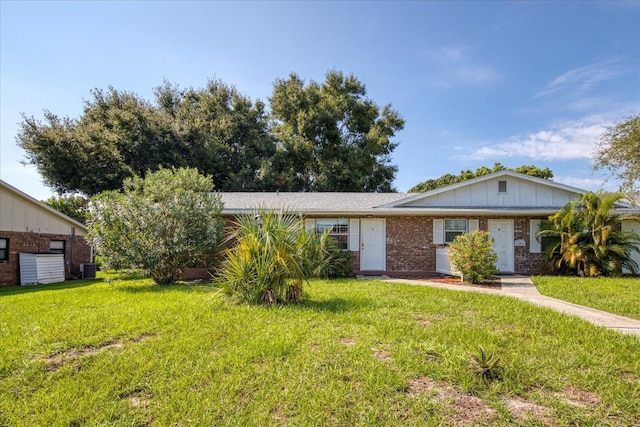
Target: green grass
353, 353
619, 295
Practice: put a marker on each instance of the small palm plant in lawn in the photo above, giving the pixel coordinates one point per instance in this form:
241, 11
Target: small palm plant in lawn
272, 255
486, 365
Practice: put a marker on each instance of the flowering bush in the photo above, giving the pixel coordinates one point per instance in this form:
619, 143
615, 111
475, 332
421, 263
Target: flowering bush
472, 254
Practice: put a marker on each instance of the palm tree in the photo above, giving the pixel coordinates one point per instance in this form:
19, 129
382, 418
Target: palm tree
270, 257
590, 240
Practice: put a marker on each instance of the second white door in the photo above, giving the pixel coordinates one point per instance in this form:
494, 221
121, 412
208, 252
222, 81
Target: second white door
501, 231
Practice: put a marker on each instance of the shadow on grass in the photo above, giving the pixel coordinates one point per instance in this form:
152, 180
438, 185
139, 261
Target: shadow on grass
154, 288
67, 284
333, 305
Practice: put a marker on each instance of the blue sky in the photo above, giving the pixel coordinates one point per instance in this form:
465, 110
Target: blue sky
477, 82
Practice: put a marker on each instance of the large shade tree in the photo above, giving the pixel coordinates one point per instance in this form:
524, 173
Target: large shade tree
318, 137
331, 136
619, 151
589, 238
72, 205
119, 135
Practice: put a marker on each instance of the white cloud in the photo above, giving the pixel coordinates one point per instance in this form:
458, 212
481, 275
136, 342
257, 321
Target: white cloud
580, 80
455, 66
595, 183
571, 141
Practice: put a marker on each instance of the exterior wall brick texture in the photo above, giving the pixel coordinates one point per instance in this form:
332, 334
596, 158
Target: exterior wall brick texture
36, 242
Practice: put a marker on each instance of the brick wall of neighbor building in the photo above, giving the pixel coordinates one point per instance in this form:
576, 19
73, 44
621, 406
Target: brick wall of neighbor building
36, 242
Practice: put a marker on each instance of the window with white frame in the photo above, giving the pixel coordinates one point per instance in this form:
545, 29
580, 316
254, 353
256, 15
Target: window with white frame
4, 249
453, 228
543, 243
338, 230
56, 246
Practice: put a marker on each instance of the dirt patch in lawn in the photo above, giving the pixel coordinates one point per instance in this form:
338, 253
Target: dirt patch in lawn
461, 409
576, 397
427, 319
523, 410
56, 360
466, 410
347, 341
381, 354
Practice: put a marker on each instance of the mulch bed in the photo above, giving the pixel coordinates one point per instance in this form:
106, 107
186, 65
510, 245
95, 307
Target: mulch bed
495, 283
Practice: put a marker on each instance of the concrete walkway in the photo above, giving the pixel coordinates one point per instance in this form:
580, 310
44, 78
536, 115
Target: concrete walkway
523, 288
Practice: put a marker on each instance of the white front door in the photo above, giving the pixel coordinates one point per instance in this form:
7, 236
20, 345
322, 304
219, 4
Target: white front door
501, 231
372, 245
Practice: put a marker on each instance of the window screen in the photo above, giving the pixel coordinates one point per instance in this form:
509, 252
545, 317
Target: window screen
454, 227
4, 249
338, 230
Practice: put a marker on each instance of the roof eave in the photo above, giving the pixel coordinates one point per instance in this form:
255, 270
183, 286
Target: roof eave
393, 212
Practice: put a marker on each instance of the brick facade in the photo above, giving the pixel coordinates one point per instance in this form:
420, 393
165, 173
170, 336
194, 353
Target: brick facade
410, 250
410, 247
39, 242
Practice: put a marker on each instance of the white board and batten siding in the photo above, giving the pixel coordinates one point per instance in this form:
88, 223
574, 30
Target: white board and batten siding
21, 213
518, 193
41, 268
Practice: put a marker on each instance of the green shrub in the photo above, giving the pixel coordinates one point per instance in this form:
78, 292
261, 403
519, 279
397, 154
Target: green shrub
161, 224
272, 255
472, 254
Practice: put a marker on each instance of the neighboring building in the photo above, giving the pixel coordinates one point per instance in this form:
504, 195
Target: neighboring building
401, 234
27, 225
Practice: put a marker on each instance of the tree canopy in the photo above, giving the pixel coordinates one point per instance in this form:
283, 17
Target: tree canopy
448, 179
331, 137
73, 206
317, 137
619, 151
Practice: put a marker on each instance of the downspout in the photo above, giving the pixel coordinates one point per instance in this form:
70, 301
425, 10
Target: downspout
73, 241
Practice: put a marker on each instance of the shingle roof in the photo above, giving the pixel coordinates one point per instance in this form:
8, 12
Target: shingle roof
308, 202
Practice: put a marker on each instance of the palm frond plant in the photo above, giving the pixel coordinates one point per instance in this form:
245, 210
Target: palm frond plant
486, 365
271, 257
589, 238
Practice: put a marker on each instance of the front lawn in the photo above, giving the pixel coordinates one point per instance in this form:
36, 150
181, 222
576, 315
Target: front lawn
353, 353
619, 295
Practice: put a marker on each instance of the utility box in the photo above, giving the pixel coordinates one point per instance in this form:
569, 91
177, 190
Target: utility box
443, 265
38, 268
88, 270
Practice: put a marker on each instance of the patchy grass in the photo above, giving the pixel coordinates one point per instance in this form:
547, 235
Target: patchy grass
353, 353
619, 295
